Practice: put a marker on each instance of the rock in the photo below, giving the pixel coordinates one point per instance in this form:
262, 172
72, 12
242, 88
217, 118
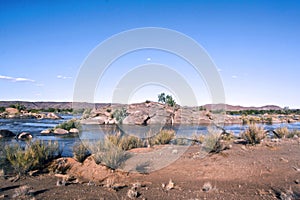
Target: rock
295, 137
111, 121
284, 160
11, 110
24, 136
138, 117
101, 119
74, 130
137, 185
132, 193
60, 131
170, 185
60, 183
6, 134
206, 187
47, 131
297, 181
53, 116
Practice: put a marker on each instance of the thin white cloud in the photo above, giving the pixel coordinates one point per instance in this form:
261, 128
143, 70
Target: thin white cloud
148, 59
219, 70
234, 76
63, 77
14, 79
39, 84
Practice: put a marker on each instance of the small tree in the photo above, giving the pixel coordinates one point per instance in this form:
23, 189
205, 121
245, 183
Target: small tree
170, 101
166, 99
162, 98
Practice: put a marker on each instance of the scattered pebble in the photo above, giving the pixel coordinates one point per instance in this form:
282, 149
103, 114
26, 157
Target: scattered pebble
296, 169
137, 185
61, 183
132, 193
244, 148
174, 151
284, 160
170, 185
207, 187
3, 196
297, 181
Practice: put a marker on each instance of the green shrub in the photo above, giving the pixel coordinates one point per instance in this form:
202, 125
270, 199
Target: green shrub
80, 152
2, 109
105, 152
198, 137
253, 134
216, 142
282, 132
34, 156
211, 139
120, 115
163, 137
245, 121
292, 133
125, 142
67, 125
130, 142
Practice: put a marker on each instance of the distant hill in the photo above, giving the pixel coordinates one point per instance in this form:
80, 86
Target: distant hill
46, 105
237, 108
66, 105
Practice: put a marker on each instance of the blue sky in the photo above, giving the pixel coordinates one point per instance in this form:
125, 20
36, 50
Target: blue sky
254, 44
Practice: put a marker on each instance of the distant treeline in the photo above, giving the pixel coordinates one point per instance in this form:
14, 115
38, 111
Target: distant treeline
21, 107
261, 112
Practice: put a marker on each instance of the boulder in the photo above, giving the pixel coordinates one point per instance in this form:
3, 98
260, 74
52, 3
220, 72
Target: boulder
24, 136
74, 130
53, 116
111, 121
6, 134
46, 131
138, 117
101, 119
11, 110
60, 131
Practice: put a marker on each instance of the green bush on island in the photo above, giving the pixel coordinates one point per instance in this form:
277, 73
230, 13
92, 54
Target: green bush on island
68, 125
18, 106
33, 156
2, 109
253, 134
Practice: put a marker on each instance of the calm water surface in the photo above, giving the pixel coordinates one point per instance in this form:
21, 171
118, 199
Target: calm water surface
35, 126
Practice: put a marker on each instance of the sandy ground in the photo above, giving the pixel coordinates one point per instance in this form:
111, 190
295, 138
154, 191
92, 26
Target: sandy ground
268, 171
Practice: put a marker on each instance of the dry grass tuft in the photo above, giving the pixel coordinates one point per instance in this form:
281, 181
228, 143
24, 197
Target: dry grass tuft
253, 134
282, 132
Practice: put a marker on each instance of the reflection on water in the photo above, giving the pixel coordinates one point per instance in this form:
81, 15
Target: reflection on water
97, 132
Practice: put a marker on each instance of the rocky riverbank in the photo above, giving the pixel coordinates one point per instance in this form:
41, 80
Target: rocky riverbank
149, 113
13, 113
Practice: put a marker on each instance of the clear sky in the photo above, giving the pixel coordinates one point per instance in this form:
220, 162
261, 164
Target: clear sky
254, 44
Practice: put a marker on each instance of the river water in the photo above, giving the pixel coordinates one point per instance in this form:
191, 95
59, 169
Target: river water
35, 126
